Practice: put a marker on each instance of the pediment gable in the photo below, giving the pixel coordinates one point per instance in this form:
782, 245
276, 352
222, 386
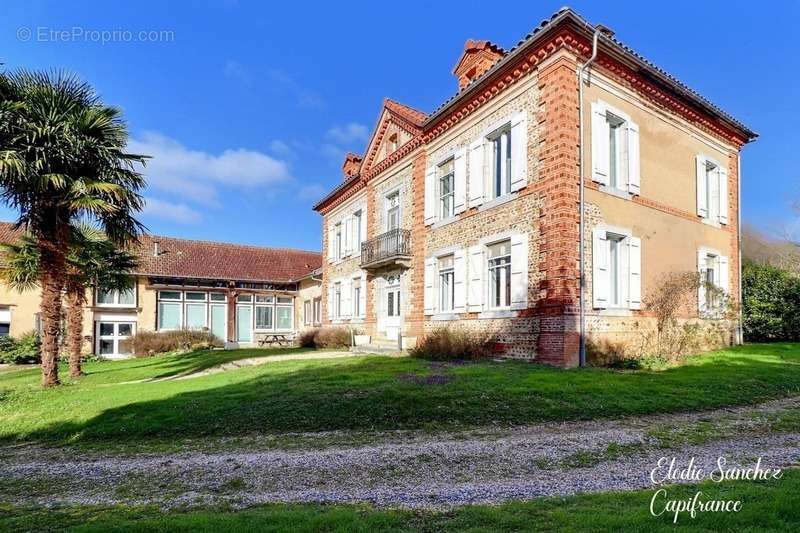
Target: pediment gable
397, 124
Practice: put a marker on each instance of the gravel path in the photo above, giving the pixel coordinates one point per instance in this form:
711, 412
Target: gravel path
403, 469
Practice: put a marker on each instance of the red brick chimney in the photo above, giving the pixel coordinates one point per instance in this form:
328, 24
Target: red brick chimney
477, 58
351, 166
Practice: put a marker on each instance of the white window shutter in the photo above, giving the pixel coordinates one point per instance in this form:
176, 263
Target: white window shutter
519, 151
476, 172
332, 243
460, 180
701, 289
634, 163
362, 305
723, 195
724, 275
700, 171
364, 216
635, 272
459, 281
430, 286
347, 228
347, 295
430, 195
475, 270
600, 272
519, 271
600, 146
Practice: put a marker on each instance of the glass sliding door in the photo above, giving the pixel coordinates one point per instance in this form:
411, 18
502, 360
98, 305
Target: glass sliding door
244, 323
218, 323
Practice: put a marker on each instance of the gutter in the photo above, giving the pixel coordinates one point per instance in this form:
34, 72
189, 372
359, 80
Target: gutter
582, 224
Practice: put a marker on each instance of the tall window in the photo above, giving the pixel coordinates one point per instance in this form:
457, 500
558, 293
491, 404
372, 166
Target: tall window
124, 298
338, 241
356, 297
615, 270
499, 258
617, 152
501, 162
393, 211
357, 231
307, 313
337, 300
317, 311
446, 293
711, 278
711, 184
264, 311
445, 171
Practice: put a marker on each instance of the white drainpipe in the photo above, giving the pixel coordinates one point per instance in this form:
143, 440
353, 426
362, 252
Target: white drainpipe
582, 230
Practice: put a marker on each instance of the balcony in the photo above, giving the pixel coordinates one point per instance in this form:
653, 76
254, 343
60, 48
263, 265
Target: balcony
392, 248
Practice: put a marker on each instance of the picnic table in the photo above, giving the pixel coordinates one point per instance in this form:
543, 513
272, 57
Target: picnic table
279, 339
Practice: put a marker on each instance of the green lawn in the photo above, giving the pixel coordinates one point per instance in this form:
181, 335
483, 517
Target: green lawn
111, 405
766, 506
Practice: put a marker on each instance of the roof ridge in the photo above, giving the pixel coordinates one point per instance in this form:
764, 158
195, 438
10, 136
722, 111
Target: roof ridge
225, 243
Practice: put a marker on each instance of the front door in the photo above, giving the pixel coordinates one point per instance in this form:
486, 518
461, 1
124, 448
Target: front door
111, 337
391, 307
219, 321
244, 323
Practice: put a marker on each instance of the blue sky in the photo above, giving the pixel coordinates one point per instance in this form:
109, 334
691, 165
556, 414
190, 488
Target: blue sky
249, 107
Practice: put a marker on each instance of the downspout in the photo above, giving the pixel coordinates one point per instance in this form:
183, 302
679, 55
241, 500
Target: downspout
740, 332
582, 229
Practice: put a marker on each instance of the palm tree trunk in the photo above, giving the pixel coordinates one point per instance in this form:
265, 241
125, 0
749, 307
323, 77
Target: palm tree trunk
52, 263
75, 301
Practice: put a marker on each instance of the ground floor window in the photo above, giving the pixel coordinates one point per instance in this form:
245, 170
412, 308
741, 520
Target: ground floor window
307, 318
499, 263
446, 278
192, 310
317, 311
263, 313
5, 321
111, 337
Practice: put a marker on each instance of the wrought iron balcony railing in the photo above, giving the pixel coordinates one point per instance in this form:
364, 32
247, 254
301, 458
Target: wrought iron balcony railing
392, 246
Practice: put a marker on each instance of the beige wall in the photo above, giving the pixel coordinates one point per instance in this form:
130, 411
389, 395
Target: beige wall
23, 307
309, 290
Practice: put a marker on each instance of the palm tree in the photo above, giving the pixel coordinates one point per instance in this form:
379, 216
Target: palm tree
62, 160
92, 261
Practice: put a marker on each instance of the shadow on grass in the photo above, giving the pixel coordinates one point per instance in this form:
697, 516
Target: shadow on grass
372, 394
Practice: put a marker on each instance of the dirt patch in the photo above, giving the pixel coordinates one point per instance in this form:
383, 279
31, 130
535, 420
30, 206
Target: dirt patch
432, 379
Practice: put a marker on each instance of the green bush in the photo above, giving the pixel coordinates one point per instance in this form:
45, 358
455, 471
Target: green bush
147, 343
771, 303
446, 344
305, 339
24, 350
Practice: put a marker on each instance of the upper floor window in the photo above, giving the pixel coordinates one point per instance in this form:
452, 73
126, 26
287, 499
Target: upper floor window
446, 175
357, 236
500, 174
393, 211
337, 242
615, 149
446, 284
712, 190
123, 298
499, 265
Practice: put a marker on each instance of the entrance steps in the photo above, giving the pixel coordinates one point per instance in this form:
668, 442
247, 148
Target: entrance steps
380, 345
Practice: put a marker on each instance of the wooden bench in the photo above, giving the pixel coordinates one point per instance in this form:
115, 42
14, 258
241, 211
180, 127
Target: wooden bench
275, 339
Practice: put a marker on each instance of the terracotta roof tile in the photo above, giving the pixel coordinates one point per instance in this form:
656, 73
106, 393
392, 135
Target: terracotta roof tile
414, 116
184, 258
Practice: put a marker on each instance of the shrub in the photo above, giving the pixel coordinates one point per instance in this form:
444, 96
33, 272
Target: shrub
446, 344
26, 349
771, 303
331, 337
305, 339
147, 343
611, 354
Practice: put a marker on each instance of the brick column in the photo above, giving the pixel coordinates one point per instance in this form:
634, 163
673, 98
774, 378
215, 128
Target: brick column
559, 337
415, 310
370, 319
323, 308
734, 267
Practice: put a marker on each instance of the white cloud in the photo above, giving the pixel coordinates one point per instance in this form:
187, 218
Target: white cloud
196, 175
238, 72
311, 192
304, 98
175, 212
348, 133
281, 148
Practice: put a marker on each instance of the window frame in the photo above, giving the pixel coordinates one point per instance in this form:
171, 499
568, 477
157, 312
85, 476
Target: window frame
356, 297
116, 298
317, 310
618, 156
444, 214
445, 301
499, 178
502, 268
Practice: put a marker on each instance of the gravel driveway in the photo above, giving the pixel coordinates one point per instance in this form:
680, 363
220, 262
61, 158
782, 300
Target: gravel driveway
402, 469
